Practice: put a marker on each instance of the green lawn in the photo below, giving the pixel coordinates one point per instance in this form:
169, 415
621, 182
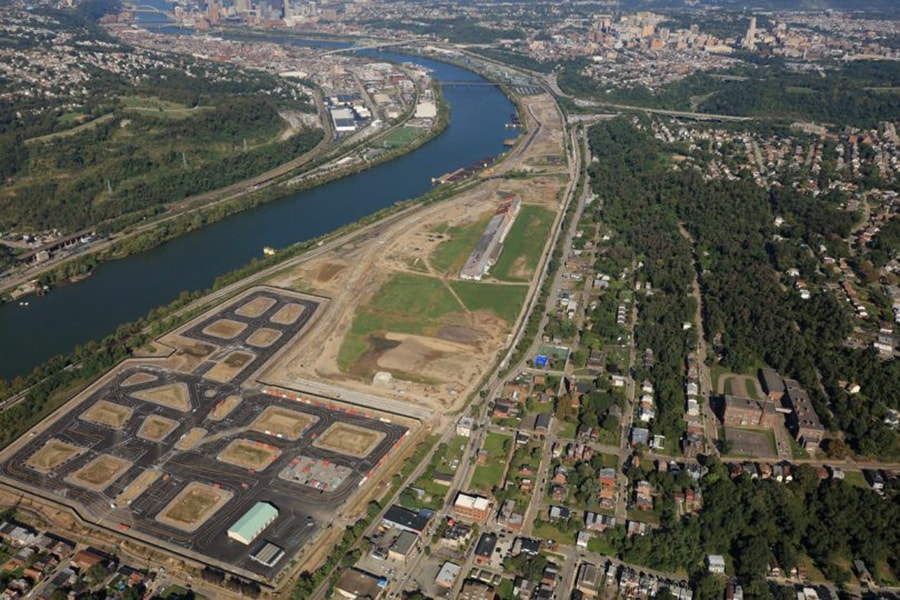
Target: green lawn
488, 475
856, 478
567, 430
505, 301
548, 531
600, 545
450, 256
524, 244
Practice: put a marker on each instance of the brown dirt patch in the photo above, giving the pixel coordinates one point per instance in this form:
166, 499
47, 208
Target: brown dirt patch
288, 314
256, 307
98, 474
229, 367
415, 353
519, 269
249, 454
172, 395
156, 428
191, 439
54, 453
329, 271
283, 423
138, 486
349, 439
224, 408
460, 335
139, 378
107, 413
263, 338
225, 329
193, 506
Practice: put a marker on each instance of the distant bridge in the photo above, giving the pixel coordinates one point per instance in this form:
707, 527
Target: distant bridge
374, 46
467, 83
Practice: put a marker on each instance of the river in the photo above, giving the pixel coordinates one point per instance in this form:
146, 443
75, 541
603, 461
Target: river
123, 290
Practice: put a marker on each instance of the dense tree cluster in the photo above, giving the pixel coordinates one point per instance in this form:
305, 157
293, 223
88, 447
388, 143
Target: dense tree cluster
751, 316
770, 90
627, 176
754, 521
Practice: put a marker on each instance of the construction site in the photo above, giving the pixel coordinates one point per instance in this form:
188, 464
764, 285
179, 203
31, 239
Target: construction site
247, 438
176, 451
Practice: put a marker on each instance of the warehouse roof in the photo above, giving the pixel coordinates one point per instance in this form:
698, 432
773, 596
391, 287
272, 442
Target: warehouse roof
254, 520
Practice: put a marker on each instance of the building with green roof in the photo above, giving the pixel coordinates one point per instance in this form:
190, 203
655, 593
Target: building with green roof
254, 521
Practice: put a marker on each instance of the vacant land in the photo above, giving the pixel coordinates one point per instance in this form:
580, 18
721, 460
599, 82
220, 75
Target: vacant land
224, 408
227, 368
191, 439
256, 307
138, 486
281, 422
139, 378
193, 506
450, 256
98, 474
162, 108
288, 314
751, 442
524, 244
225, 329
505, 301
173, 395
409, 304
490, 474
249, 454
54, 453
263, 338
349, 439
156, 428
107, 413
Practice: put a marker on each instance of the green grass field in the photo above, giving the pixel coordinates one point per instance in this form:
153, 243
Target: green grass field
524, 244
401, 137
407, 303
451, 255
505, 301
162, 108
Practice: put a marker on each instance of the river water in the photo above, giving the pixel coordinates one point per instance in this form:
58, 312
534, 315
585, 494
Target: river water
127, 289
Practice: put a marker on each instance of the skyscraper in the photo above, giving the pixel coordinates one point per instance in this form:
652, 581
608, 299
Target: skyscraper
750, 38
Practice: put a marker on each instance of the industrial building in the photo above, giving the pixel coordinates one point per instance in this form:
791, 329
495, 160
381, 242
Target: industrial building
247, 528
343, 120
490, 245
472, 508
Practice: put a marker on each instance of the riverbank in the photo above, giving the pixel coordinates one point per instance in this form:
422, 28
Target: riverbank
261, 189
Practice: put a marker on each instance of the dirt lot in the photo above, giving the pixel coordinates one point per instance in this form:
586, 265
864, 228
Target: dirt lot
249, 454
53, 454
156, 428
226, 369
138, 486
173, 395
108, 414
349, 439
281, 422
225, 329
193, 506
100, 472
263, 338
287, 314
425, 369
255, 307
139, 378
191, 439
224, 408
